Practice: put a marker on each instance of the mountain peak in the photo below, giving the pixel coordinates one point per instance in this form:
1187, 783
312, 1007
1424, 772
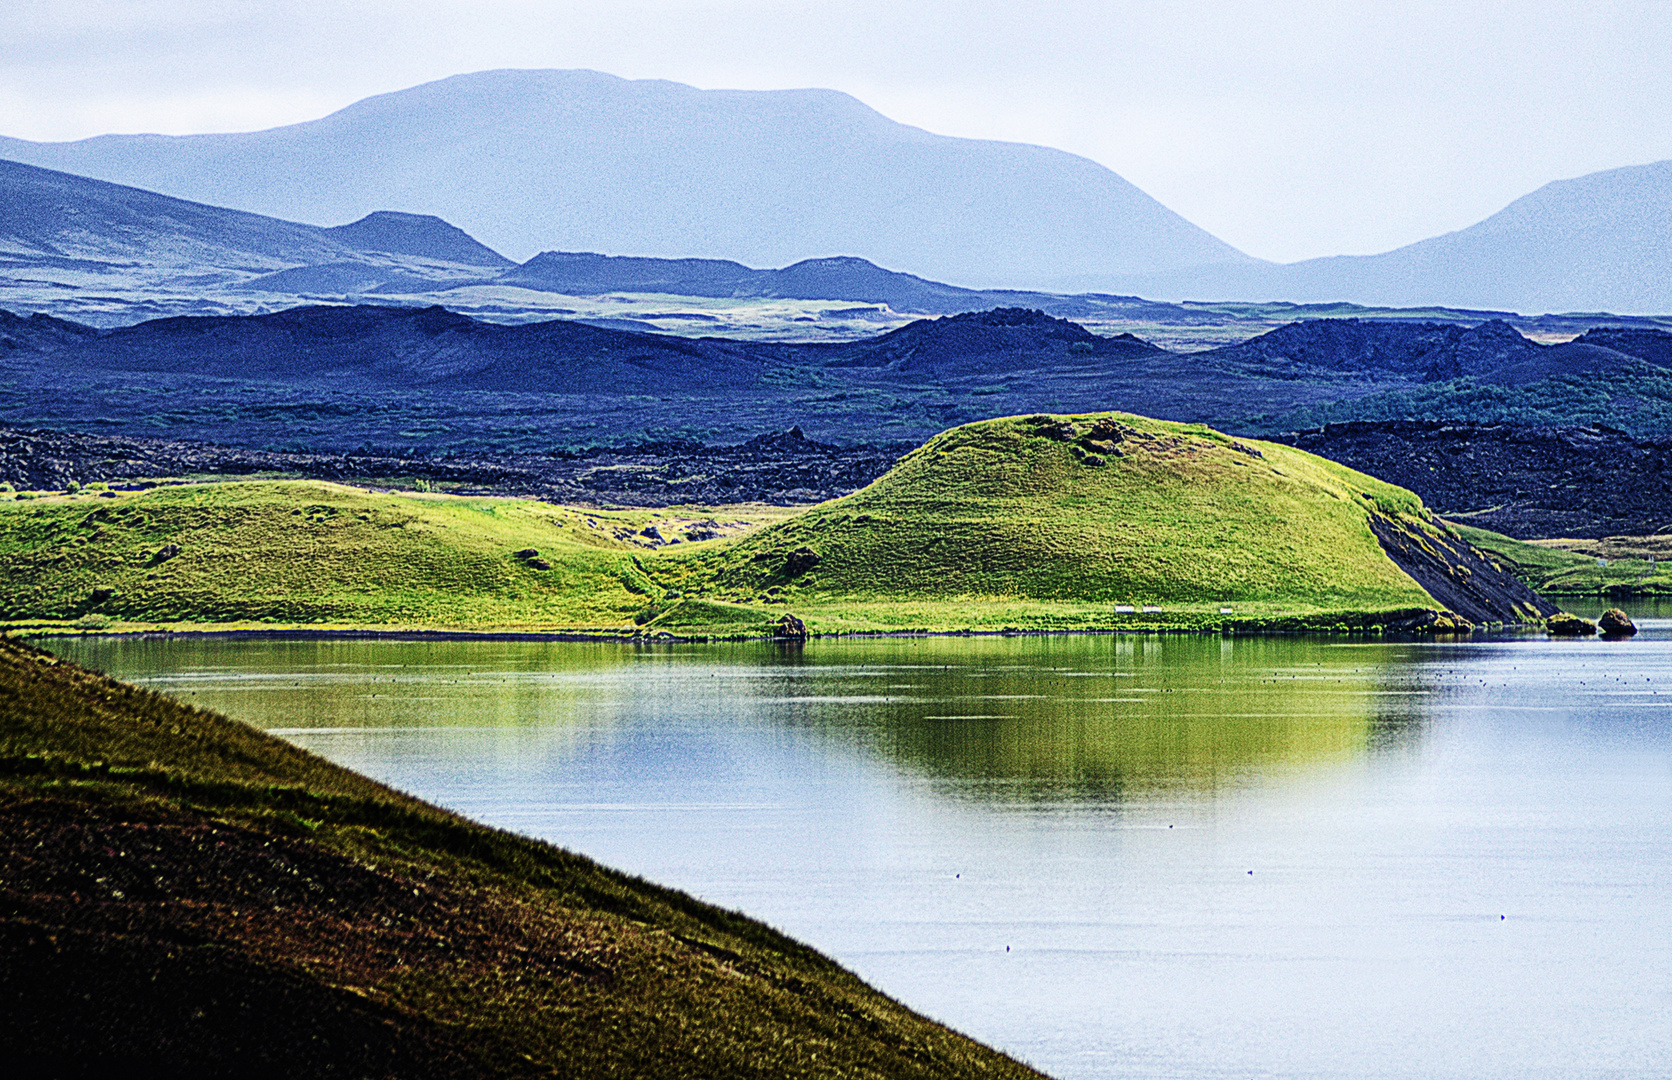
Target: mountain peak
529, 161
423, 235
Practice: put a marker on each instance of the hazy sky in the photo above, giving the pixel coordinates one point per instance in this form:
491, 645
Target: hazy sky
1287, 129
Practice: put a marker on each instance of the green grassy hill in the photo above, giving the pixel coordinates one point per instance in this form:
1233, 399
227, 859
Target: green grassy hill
1063, 521
183, 895
1087, 522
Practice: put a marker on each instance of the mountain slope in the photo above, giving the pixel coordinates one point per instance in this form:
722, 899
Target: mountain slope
56, 215
1600, 242
531, 160
63, 235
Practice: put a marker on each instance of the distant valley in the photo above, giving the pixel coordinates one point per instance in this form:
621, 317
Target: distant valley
397, 342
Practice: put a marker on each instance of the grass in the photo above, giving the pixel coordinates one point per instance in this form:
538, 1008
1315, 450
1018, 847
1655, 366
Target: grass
183, 890
1617, 566
1096, 522
309, 553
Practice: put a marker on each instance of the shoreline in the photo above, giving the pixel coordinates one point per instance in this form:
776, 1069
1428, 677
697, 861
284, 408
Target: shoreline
30, 633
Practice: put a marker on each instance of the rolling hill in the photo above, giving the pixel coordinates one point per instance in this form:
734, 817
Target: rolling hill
383, 349
1059, 520
534, 160
405, 381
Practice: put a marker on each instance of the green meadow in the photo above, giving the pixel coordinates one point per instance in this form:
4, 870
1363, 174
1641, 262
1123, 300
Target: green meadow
1031, 523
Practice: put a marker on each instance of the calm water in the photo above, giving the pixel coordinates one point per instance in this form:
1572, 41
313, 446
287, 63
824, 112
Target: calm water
1127, 857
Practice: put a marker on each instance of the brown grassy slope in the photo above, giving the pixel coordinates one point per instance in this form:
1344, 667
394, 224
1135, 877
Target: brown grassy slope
182, 894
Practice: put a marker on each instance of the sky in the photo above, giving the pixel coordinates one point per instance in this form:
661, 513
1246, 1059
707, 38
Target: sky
1290, 130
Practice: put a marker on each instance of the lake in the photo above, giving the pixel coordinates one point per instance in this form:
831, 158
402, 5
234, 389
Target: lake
1109, 856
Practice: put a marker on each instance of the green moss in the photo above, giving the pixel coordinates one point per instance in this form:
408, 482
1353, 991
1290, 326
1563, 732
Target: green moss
1551, 569
312, 553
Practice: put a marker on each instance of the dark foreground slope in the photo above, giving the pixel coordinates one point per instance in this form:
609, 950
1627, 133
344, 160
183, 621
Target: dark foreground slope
181, 895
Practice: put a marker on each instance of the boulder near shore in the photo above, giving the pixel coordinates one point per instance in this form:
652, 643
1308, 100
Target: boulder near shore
1564, 624
1616, 623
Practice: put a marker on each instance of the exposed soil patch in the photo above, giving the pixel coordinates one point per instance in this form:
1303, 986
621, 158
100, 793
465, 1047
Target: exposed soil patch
1460, 576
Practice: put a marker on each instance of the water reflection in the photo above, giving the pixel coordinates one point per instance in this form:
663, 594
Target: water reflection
1102, 719
1089, 719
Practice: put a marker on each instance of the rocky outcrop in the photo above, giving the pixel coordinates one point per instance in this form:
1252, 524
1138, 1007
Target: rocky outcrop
1566, 624
1616, 623
782, 468
801, 560
789, 628
1458, 575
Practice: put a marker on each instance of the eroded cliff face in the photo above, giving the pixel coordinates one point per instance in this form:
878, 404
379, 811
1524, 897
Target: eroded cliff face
1458, 575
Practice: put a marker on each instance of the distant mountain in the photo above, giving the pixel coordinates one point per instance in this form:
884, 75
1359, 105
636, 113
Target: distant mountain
1601, 242
72, 245
990, 342
1002, 360
423, 235
385, 348
839, 278
39, 333
54, 216
578, 160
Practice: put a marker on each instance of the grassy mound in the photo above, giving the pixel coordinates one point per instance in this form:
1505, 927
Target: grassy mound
314, 553
1066, 520
182, 891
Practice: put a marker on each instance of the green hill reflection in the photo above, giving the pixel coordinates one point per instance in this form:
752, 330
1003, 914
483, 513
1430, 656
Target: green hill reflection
1123, 717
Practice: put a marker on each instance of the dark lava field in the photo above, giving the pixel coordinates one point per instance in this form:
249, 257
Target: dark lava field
1570, 439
